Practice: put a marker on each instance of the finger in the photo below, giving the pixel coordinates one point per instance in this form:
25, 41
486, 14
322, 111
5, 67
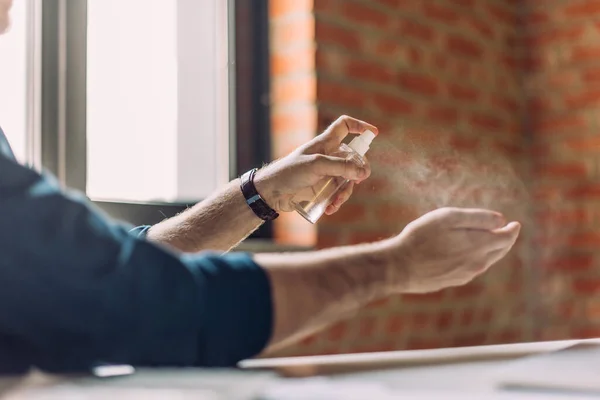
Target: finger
344, 195
498, 239
331, 209
508, 234
367, 167
336, 166
345, 125
473, 218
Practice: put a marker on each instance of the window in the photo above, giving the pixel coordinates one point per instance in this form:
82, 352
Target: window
13, 81
156, 81
144, 106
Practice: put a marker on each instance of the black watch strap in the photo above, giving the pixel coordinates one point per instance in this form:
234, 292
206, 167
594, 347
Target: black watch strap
253, 198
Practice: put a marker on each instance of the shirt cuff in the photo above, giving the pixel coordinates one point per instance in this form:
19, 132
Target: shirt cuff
236, 308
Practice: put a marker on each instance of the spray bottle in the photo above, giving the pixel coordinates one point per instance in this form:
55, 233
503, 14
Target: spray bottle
312, 202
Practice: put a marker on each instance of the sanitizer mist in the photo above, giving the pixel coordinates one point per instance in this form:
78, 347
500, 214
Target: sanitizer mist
311, 203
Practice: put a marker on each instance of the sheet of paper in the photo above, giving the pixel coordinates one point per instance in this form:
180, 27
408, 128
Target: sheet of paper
575, 369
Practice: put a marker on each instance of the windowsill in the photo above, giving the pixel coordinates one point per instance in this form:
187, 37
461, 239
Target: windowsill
268, 246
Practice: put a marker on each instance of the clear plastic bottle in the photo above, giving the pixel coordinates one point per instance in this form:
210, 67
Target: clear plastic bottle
311, 203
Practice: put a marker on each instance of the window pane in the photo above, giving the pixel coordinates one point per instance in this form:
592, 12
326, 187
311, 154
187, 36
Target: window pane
13, 81
152, 120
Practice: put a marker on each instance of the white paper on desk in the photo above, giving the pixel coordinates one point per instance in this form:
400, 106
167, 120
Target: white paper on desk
574, 369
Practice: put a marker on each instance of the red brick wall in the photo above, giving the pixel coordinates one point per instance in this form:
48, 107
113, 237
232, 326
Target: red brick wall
563, 99
486, 103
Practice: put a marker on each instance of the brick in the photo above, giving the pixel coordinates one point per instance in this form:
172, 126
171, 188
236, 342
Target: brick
330, 92
418, 83
582, 54
284, 122
370, 71
464, 3
326, 7
589, 239
591, 144
291, 90
585, 333
589, 286
338, 331
537, 17
436, 11
533, 63
582, 9
501, 14
462, 93
337, 35
557, 124
467, 317
591, 75
292, 62
444, 320
420, 320
562, 81
394, 325
556, 35
571, 170
386, 47
590, 191
348, 213
367, 326
486, 122
570, 263
510, 61
507, 336
376, 186
467, 340
289, 7
445, 115
396, 214
464, 144
298, 30
414, 30
509, 149
539, 105
423, 344
478, 27
364, 14
326, 241
461, 46
391, 105
506, 103
563, 217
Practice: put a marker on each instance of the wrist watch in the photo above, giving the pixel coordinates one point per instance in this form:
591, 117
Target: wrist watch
253, 198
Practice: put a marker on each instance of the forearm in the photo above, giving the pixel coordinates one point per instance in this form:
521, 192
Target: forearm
218, 223
312, 290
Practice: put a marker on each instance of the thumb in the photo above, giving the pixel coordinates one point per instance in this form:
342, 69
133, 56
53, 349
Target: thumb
336, 166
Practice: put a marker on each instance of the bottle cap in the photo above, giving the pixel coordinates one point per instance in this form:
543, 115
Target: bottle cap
361, 143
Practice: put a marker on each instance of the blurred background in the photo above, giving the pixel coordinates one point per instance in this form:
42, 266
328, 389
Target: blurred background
150, 105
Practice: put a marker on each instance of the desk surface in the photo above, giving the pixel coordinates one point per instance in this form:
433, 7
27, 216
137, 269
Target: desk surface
469, 369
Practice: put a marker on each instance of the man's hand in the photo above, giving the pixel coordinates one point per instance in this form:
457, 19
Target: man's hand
448, 247
280, 181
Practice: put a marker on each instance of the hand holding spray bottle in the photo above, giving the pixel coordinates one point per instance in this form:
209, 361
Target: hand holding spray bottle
312, 204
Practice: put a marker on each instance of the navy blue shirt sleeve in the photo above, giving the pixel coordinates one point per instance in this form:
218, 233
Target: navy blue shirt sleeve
77, 288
